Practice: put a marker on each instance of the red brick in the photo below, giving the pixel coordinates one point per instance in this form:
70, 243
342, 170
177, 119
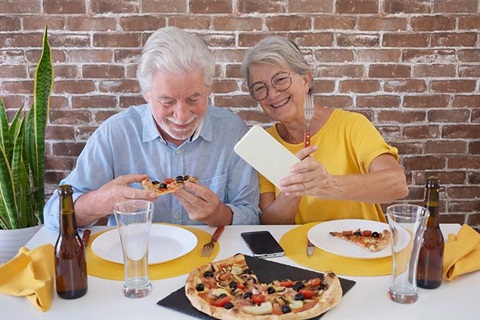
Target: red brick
74, 86
324, 39
18, 87
378, 101
89, 55
334, 22
432, 23
424, 163
13, 101
469, 71
464, 192
90, 24
469, 22
84, 132
475, 116
451, 218
453, 86
312, 6
337, 101
126, 56
358, 40
466, 101
389, 132
20, 6
227, 55
211, 6
373, 55
445, 147
434, 70
445, 177
141, 23
429, 56
15, 71
340, 71
473, 219
224, 86
220, 40
389, 71
66, 71
128, 101
255, 116
69, 40
67, 148
54, 177
384, 24
359, 86
408, 85
421, 132
234, 23
405, 40
406, 6
164, 6
474, 147
473, 177
39, 23
468, 55
114, 6
64, 6
356, 6
323, 86
119, 86
93, 102
116, 40
454, 39
261, 6
461, 131
282, 23
103, 115
59, 163
448, 116
66, 132
429, 101
455, 6
16, 40
70, 117
102, 71
333, 55
240, 101
59, 103
190, 22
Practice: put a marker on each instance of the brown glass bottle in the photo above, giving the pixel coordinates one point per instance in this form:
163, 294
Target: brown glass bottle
430, 261
70, 260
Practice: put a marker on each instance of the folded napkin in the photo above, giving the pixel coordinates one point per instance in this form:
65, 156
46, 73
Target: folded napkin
462, 253
30, 274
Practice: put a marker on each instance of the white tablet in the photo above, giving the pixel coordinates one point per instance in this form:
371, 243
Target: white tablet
265, 154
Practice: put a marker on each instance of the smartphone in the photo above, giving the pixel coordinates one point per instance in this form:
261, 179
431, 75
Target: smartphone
263, 244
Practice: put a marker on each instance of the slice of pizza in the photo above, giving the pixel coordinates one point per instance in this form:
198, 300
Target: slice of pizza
229, 289
169, 185
370, 240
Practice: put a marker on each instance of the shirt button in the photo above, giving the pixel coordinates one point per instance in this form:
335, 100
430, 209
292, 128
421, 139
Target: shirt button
176, 216
177, 151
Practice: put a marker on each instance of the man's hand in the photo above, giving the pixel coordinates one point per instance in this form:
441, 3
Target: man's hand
203, 205
99, 203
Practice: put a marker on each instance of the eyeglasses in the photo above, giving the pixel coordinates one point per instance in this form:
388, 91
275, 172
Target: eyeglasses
281, 82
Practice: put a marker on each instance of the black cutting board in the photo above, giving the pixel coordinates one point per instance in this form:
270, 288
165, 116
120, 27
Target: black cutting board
266, 271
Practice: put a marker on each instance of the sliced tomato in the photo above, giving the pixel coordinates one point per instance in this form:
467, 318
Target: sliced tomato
240, 286
220, 302
169, 180
315, 282
307, 294
287, 283
366, 233
258, 298
225, 276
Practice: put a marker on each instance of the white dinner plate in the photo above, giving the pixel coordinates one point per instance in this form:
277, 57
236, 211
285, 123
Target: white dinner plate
166, 243
319, 235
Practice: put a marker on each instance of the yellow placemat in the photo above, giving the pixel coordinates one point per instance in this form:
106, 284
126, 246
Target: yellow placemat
294, 242
102, 268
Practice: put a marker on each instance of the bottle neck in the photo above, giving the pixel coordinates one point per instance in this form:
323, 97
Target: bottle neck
68, 224
432, 203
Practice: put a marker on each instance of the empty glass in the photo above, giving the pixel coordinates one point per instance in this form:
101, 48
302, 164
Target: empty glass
134, 219
407, 223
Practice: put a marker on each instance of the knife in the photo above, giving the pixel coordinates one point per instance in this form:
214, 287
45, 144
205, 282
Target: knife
310, 247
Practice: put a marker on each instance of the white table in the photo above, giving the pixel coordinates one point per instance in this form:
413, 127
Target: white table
459, 299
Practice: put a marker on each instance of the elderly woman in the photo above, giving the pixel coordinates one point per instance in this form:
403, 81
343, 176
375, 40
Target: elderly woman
347, 171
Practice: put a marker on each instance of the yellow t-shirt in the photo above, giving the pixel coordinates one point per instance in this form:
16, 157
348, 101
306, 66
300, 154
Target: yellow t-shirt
347, 144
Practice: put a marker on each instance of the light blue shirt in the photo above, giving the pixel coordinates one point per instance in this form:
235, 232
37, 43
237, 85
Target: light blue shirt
129, 142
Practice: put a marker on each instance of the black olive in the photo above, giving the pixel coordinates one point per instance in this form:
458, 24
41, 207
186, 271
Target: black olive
200, 287
163, 186
286, 309
247, 295
375, 234
358, 234
221, 295
155, 182
228, 305
186, 177
247, 271
299, 296
208, 274
298, 285
233, 285
179, 179
271, 290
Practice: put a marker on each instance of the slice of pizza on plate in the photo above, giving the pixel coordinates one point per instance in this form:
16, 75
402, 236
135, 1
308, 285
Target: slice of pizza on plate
372, 241
169, 185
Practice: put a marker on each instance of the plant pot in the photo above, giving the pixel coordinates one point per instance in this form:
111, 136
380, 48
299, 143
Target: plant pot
12, 240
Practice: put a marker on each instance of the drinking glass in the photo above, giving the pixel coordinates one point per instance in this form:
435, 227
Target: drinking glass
407, 223
134, 219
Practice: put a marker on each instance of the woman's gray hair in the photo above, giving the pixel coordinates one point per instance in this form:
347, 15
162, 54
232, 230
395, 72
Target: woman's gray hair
278, 51
174, 50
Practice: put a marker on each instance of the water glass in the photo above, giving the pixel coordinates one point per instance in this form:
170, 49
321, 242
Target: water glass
134, 220
407, 223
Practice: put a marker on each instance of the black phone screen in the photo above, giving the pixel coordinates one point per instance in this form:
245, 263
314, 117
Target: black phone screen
262, 244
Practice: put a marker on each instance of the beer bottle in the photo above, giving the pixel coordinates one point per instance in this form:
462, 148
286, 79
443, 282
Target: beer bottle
430, 261
70, 260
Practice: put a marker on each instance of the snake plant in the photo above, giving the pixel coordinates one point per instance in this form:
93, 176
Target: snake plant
22, 148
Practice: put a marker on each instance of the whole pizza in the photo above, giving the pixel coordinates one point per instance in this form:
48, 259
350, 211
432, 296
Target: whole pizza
229, 289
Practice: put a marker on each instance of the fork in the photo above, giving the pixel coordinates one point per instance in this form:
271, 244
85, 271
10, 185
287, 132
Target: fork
208, 247
308, 111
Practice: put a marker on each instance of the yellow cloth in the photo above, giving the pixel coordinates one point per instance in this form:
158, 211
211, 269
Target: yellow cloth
347, 144
462, 253
99, 267
294, 242
30, 274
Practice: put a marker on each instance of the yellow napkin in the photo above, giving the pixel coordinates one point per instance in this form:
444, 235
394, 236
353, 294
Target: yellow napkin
462, 253
30, 274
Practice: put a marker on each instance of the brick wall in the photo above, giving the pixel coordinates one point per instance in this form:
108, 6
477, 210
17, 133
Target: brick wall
411, 66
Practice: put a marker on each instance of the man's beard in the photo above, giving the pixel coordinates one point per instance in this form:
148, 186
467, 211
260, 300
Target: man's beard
181, 134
